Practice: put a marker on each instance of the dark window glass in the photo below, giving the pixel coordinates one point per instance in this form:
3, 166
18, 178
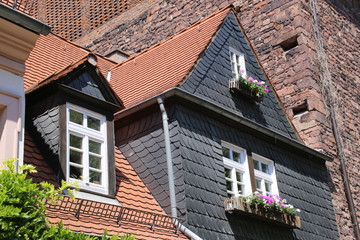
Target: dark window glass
75, 141
94, 147
76, 117
226, 152
93, 123
76, 172
75, 157
95, 162
95, 177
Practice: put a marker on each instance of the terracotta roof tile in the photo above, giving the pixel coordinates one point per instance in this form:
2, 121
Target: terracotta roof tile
52, 55
164, 65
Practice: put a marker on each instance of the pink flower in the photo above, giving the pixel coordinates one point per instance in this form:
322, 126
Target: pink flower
242, 71
266, 90
258, 83
250, 79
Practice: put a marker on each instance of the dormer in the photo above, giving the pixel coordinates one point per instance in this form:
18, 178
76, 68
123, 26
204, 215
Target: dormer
71, 114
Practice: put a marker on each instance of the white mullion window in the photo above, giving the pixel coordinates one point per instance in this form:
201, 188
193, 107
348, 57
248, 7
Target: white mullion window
237, 62
236, 171
87, 149
265, 177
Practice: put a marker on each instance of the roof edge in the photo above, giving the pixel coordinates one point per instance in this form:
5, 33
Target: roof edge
24, 20
225, 113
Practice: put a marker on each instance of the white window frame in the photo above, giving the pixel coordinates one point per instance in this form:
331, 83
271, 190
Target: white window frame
87, 134
237, 60
241, 167
270, 176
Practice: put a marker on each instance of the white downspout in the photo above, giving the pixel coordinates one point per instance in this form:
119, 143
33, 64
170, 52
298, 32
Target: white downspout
181, 227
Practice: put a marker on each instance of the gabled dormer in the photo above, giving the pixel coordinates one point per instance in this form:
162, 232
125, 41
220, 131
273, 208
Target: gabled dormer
71, 113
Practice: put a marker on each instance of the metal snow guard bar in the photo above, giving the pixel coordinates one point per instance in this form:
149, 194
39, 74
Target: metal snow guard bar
119, 213
25, 6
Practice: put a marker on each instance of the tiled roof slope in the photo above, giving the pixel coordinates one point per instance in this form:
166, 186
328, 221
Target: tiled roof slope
166, 64
53, 54
131, 193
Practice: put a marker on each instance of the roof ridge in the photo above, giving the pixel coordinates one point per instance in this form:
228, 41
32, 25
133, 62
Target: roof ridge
208, 18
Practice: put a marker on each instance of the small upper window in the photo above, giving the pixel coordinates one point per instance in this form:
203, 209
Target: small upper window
265, 178
236, 170
237, 63
87, 149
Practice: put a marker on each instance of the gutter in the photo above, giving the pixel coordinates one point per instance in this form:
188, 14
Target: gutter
23, 20
277, 138
172, 193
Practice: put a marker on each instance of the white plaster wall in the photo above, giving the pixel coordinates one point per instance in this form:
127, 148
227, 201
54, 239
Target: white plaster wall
13, 98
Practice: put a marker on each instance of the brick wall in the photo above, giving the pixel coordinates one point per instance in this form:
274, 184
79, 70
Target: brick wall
283, 35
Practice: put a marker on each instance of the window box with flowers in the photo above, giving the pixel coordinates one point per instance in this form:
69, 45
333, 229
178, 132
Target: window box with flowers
248, 86
270, 208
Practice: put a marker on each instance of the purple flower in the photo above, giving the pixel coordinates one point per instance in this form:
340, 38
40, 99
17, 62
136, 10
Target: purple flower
250, 79
258, 83
266, 90
242, 71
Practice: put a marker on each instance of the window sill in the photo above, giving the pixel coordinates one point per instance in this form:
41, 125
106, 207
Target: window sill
239, 206
96, 198
234, 85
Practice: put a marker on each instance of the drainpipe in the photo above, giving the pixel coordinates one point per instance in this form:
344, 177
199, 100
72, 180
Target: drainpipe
181, 227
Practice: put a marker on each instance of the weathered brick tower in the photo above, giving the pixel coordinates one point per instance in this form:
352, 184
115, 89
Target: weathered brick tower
310, 50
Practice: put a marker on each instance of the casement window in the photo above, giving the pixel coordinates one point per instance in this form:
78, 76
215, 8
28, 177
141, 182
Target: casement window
236, 170
244, 177
265, 178
237, 62
87, 163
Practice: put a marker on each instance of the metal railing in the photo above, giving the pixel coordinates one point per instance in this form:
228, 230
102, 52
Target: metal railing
25, 6
119, 214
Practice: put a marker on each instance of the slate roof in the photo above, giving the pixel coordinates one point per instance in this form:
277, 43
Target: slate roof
131, 193
52, 55
166, 64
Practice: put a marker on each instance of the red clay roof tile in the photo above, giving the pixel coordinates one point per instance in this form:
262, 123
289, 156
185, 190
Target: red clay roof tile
164, 65
53, 55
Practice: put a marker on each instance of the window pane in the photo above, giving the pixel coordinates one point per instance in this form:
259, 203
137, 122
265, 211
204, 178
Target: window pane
226, 152
94, 147
264, 168
76, 117
75, 172
230, 195
95, 162
95, 177
75, 141
93, 123
258, 183
239, 177
268, 187
241, 189
236, 156
75, 157
256, 165
229, 185
237, 59
227, 173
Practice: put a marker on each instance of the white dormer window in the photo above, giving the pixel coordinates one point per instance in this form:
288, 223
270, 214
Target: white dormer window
87, 162
236, 170
237, 63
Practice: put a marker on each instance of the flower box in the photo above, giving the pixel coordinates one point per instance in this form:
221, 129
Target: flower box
237, 204
236, 86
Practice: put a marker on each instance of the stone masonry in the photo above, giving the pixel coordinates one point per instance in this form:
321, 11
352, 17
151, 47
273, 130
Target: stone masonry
283, 33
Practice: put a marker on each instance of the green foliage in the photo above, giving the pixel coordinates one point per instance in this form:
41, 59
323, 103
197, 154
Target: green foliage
22, 208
